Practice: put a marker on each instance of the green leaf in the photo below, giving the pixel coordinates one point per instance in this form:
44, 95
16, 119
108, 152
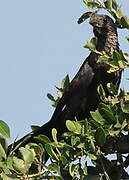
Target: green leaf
27, 155
36, 149
4, 130
107, 113
54, 134
97, 117
59, 178
124, 124
42, 139
85, 127
91, 45
101, 92
78, 127
72, 169
53, 167
63, 160
2, 152
65, 82
119, 58
117, 125
75, 141
10, 163
91, 156
84, 17
125, 106
50, 151
92, 144
103, 59
73, 126
100, 136
67, 134
20, 165
8, 176
113, 132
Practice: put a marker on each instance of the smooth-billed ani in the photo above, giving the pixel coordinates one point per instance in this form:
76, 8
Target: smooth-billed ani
81, 96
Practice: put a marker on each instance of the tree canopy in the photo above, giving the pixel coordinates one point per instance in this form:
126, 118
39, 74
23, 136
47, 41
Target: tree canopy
95, 148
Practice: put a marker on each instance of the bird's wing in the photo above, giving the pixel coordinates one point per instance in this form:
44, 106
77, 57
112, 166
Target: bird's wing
75, 91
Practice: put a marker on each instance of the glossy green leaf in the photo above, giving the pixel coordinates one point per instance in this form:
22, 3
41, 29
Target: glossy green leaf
4, 130
107, 113
100, 136
70, 125
74, 126
54, 134
78, 127
97, 117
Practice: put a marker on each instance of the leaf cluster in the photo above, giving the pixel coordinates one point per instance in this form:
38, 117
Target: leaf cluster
83, 152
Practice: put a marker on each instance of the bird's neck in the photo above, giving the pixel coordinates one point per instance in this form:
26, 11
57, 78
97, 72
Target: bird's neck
107, 41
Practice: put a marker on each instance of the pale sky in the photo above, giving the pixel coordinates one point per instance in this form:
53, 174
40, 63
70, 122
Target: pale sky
40, 42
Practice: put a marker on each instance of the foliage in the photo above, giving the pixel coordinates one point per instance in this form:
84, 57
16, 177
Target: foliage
83, 152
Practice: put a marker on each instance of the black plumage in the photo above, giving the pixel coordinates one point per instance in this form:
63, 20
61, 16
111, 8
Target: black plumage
81, 96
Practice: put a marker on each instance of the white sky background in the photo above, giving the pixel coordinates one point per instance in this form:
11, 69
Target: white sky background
40, 42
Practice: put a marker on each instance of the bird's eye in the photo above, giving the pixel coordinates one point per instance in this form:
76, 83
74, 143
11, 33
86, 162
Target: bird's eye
105, 20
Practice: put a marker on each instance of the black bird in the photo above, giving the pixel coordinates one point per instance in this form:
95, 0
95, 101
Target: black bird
81, 95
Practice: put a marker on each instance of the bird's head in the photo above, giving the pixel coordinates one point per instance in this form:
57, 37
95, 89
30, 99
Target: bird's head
101, 24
